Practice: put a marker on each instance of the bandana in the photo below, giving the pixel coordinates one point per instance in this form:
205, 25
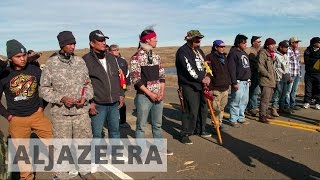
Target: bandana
148, 36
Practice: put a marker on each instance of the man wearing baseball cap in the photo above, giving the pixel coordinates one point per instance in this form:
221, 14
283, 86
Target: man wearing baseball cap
108, 96
295, 71
281, 98
191, 79
254, 90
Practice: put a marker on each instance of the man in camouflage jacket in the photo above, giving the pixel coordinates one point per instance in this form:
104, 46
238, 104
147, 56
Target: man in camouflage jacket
65, 84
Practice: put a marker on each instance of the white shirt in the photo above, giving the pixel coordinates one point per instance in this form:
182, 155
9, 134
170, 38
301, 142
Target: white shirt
104, 63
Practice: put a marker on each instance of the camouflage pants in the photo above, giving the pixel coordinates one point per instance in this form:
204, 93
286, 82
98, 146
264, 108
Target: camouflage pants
219, 103
76, 126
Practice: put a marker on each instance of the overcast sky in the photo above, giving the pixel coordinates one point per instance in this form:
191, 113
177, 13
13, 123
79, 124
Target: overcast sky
36, 23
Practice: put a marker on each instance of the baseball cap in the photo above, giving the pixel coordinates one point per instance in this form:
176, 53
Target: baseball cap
192, 34
284, 43
97, 35
254, 38
294, 39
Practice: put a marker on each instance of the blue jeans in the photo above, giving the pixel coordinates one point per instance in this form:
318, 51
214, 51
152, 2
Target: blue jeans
144, 107
254, 91
281, 95
109, 113
239, 101
293, 89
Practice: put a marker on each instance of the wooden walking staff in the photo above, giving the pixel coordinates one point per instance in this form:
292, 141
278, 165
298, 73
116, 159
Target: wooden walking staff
209, 98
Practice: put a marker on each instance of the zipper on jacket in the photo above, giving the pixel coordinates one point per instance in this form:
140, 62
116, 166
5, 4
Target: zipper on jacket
109, 71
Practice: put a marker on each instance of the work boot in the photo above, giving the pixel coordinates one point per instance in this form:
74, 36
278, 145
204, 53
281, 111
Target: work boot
263, 119
274, 112
269, 116
253, 112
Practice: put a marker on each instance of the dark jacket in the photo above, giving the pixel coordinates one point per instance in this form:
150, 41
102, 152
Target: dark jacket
106, 85
221, 77
310, 58
239, 65
124, 66
189, 68
266, 69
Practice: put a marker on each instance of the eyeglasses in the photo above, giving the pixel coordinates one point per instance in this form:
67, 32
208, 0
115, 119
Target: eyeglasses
221, 46
100, 40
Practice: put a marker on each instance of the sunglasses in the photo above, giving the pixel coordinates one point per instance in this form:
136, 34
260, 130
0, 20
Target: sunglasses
100, 40
221, 46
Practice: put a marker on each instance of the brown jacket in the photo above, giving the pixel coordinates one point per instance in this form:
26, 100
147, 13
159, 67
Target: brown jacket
266, 69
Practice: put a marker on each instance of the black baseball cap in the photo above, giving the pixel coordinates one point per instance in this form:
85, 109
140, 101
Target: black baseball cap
284, 43
254, 38
97, 35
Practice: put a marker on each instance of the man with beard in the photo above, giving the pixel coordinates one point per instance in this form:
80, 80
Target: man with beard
192, 79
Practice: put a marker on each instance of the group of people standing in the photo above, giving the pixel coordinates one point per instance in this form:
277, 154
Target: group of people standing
85, 92
273, 73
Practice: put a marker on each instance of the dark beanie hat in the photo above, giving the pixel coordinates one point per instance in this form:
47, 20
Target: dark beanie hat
314, 40
269, 42
65, 38
14, 47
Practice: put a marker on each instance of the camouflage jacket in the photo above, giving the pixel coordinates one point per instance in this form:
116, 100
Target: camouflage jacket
62, 77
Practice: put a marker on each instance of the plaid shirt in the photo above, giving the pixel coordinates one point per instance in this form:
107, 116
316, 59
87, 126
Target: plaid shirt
294, 58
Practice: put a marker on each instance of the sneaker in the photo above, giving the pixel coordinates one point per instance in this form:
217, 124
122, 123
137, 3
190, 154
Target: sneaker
306, 105
285, 111
244, 122
274, 112
318, 106
124, 125
296, 107
234, 124
73, 173
186, 140
205, 134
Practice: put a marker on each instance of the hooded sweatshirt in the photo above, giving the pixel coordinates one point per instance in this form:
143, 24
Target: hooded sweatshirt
189, 66
239, 65
311, 56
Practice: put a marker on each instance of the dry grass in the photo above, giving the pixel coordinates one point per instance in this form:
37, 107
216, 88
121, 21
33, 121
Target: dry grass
167, 55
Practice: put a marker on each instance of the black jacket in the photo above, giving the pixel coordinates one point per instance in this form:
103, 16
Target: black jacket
124, 66
310, 58
106, 85
239, 65
189, 69
221, 76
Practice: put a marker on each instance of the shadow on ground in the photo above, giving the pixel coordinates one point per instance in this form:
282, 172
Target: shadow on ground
245, 152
